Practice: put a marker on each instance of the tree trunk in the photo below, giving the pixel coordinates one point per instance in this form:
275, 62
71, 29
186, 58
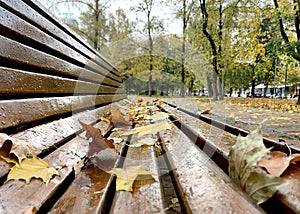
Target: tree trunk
221, 89
150, 88
298, 101
96, 27
209, 85
215, 86
184, 26
213, 49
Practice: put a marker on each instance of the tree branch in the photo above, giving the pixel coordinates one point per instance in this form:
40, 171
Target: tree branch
283, 33
208, 36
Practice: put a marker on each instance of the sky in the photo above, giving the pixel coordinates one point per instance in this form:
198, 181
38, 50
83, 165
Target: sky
172, 25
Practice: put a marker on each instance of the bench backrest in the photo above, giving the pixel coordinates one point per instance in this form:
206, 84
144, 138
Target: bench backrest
46, 70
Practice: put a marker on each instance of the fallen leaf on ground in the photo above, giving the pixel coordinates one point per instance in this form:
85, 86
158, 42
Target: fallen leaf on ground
126, 177
276, 162
32, 168
98, 141
243, 159
14, 149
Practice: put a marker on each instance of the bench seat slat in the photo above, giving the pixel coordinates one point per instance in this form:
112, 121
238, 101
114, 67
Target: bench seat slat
37, 193
288, 196
55, 29
25, 111
206, 187
51, 134
89, 187
17, 196
146, 196
16, 53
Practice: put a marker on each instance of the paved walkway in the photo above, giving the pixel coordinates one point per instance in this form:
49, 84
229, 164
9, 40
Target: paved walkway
276, 125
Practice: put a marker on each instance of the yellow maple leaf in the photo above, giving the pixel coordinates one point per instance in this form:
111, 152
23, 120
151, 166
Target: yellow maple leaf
148, 129
153, 128
126, 177
159, 116
32, 168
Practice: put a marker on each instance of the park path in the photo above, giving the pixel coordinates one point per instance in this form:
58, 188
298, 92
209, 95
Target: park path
283, 126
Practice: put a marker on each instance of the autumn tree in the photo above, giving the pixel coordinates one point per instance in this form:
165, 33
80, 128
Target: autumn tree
119, 26
185, 12
288, 13
96, 24
151, 25
213, 28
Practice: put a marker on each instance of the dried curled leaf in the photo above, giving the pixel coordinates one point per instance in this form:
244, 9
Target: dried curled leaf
149, 129
126, 177
243, 158
98, 141
277, 162
118, 119
14, 149
32, 168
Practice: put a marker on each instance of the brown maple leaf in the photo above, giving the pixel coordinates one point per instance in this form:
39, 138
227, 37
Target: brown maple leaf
118, 119
207, 111
98, 141
277, 162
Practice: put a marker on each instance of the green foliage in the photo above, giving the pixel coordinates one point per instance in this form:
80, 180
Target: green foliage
247, 34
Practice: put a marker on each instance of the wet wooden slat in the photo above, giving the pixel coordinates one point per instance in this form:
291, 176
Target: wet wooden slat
287, 197
51, 27
15, 28
206, 187
48, 135
146, 196
86, 190
37, 193
65, 159
15, 82
15, 113
14, 52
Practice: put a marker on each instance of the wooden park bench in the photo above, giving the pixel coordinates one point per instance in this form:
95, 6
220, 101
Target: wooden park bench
51, 82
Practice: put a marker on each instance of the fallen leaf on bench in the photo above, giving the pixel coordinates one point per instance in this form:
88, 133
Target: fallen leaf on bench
14, 149
243, 167
32, 168
104, 119
30, 210
118, 119
276, 162
158, 102
159, 116
149, 129
149, 141
126, 177
98, 141
207, 111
